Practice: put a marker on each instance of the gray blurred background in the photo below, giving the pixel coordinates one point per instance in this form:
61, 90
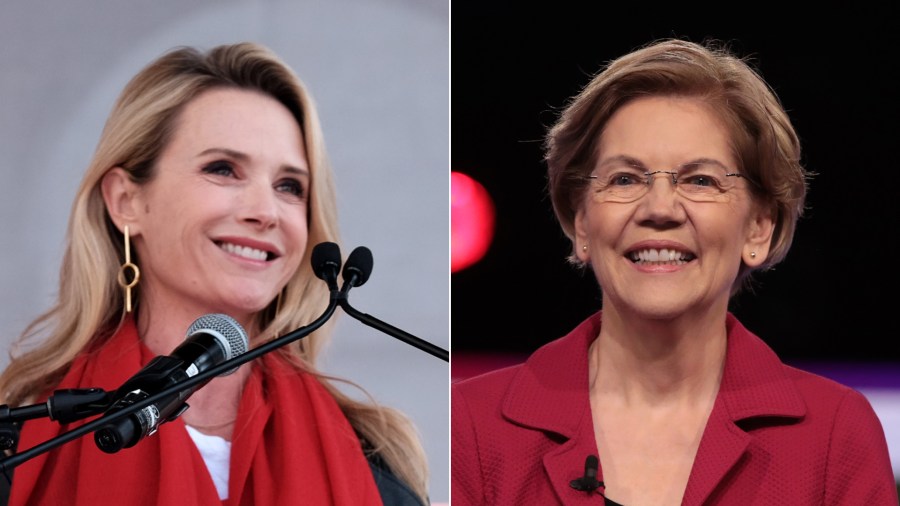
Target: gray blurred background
379, 72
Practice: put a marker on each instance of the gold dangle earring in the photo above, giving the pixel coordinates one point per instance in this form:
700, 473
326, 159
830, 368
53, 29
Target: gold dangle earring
123, 280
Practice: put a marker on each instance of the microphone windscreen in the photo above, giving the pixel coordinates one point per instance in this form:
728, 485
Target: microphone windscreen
230, 335
591, 465
360, 263
226, 329
326, 255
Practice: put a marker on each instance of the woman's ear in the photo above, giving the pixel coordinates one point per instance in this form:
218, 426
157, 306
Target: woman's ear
759, 239
582, 248
120, 196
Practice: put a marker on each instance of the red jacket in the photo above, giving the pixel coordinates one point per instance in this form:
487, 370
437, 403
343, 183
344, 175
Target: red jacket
776, 435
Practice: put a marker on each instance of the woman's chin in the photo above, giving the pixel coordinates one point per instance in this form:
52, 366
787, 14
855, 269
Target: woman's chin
244, 307
655, 308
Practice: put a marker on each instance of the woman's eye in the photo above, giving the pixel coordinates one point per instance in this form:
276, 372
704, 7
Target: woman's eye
219, 168
700, 180
291, 186
623, 179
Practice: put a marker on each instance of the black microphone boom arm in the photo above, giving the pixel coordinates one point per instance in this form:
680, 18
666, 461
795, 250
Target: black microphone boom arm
394, 331
356, 272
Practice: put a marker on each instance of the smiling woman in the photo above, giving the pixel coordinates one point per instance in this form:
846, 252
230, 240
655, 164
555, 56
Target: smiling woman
675, 174
211, 185
222, 222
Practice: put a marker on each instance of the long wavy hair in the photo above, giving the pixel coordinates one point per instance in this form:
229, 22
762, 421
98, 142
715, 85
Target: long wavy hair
88, 309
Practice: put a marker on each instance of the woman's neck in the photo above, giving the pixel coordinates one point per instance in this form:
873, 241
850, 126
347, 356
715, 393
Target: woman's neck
658, 362
162, 324
213, 408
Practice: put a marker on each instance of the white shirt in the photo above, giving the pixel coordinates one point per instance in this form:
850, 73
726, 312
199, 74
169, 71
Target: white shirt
216, 452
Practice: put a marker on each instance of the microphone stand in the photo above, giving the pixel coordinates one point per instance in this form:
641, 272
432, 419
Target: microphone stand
392, 331
63, 406
9, 463
356, 272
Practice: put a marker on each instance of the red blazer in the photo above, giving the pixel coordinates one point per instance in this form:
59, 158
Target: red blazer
776, 435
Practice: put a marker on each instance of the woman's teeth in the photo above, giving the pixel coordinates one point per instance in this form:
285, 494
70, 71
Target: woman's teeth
667, 256
244, 251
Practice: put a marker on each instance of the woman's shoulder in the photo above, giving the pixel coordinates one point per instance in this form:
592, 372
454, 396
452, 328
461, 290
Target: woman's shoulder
393, 491
765, 378
480, 397
847, 412
559, 365
858, 459
483, 383
821, 393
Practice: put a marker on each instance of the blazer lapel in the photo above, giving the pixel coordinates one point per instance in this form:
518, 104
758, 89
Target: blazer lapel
754, 384
550, 394
566, 464
722, 445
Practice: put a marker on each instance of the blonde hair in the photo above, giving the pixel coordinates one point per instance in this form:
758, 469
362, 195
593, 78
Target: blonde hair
88, 309
765, 143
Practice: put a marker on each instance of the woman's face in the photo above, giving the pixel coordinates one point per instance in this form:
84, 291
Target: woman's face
222, 225
705, 241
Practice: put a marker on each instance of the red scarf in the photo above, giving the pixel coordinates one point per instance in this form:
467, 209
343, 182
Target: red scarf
291, 445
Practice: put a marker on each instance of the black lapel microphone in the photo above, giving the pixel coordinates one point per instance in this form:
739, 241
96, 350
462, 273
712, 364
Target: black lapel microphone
588, 483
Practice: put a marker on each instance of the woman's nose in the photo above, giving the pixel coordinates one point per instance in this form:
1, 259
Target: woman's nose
661, 204
259, 205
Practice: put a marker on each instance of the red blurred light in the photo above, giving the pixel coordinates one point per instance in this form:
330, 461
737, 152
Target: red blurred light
471, 221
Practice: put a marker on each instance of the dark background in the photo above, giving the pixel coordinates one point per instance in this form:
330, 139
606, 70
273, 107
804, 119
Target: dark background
833, 298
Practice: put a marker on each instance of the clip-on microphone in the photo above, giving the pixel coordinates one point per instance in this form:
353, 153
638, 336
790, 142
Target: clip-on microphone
588, 483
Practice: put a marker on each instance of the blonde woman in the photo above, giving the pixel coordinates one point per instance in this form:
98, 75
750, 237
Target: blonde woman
208, 190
